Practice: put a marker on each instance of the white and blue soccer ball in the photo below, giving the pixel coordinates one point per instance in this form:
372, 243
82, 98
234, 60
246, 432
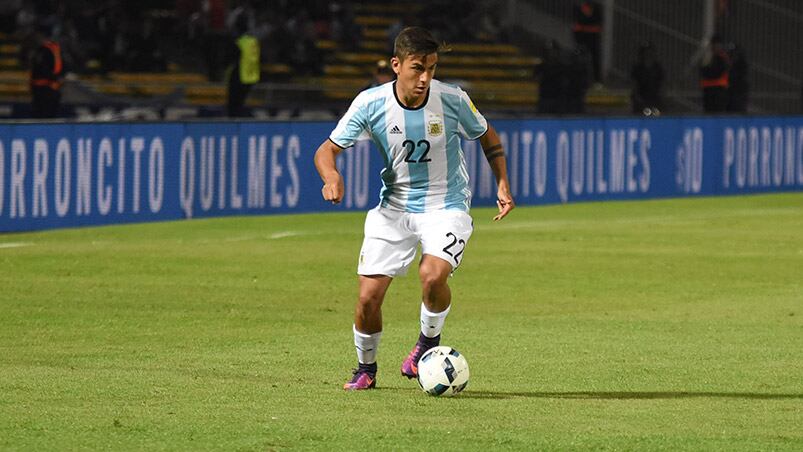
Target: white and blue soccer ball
442, 371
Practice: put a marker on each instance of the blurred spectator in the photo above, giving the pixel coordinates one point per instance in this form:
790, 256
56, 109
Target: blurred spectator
577, 80
383, 73
588, 31
305, 57
563, 80
451, 18
215, 37
84, 33
26, 19
738, 85
47, 72
714, 79
244, 72
551, 77
144, 53
243, 10
185, 9
486, 25
647, 75
344, 29
8, 15
72, 53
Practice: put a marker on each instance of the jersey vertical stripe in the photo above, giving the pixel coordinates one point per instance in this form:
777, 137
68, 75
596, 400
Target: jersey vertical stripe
377, 126
438, 166
397, 179
413, 148
457, 192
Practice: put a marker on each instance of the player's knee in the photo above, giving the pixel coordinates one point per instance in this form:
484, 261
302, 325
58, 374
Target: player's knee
370, 300
432, 280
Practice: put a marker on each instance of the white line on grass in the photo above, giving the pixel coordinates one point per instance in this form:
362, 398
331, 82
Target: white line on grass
274, 236
283, 234
241, 238
14, 244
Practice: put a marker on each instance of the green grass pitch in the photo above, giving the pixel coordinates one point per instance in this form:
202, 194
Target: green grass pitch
653, 325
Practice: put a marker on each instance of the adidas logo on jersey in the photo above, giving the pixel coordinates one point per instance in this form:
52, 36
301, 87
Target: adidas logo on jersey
395, 129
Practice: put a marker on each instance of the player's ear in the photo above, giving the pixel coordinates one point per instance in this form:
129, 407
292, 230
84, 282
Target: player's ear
395, 63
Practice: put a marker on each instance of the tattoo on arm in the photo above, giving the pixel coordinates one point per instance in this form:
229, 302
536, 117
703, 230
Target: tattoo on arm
494, 152
494, 155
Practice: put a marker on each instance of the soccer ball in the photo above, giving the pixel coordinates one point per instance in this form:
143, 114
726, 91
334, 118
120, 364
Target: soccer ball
442, 371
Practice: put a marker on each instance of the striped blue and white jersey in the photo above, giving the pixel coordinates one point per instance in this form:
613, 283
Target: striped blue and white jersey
425, 169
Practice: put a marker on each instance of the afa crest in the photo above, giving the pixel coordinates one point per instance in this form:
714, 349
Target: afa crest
435, 127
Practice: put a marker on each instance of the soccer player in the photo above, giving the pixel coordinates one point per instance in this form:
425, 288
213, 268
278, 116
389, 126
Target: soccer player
416, 122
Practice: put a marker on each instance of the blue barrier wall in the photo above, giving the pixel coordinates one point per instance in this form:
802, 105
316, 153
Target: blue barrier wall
55, 176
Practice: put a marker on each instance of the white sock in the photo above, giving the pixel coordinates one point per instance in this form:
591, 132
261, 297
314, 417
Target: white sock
366, 345
432, 322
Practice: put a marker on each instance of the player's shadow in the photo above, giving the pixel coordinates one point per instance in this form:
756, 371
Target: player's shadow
627, 395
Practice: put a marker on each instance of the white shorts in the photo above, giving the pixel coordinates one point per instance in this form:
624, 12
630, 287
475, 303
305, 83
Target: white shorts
391, 239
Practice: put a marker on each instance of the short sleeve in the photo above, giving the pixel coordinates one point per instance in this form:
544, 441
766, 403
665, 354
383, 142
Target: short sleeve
352, 126
472, 124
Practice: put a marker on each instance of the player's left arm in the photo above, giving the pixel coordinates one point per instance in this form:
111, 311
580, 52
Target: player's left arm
495, 154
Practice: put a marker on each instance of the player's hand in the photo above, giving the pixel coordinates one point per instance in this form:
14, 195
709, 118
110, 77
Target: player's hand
333, 191
504, 200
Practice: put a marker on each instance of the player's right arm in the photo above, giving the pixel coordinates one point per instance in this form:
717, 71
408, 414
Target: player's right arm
325, 163
349, 129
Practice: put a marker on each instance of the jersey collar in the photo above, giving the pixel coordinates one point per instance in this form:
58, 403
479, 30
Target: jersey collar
423, 104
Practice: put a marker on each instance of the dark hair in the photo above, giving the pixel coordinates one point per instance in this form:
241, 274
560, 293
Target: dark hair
416, 41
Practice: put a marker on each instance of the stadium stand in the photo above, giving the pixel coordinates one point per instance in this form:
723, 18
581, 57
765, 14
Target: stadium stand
498, 75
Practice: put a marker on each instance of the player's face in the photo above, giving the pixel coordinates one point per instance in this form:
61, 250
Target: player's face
413, 76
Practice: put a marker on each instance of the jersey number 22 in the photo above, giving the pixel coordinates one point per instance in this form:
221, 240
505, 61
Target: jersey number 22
410, 148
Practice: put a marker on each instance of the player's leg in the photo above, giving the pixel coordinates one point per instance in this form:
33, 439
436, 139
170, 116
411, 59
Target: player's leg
368, 329
435, 293
388, 250
436, 299
443, 240
368, 312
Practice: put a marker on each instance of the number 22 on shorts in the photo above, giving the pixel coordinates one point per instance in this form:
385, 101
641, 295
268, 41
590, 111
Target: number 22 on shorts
455, 248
